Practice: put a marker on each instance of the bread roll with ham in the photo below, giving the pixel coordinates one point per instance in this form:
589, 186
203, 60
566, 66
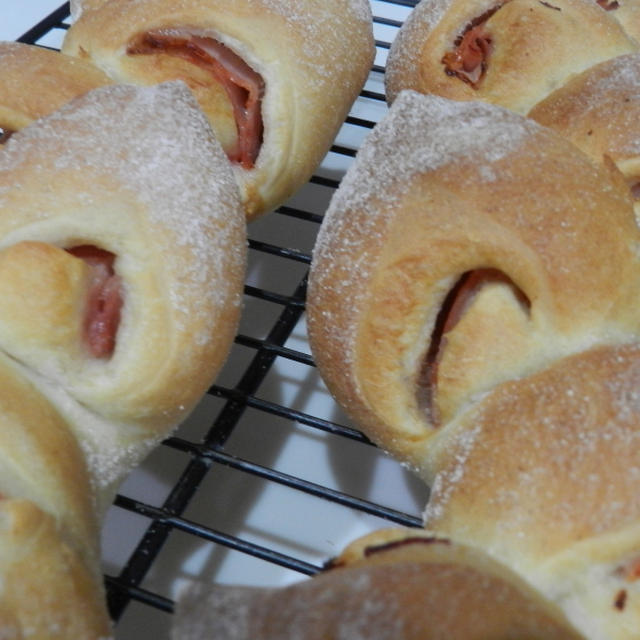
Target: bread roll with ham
512, 53
394, 584
122, 256
275, 77
474, 246
487, 344
599, 111
35, 81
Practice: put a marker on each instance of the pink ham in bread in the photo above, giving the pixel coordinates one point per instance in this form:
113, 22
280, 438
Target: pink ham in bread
244, 87
507, 52
104, 300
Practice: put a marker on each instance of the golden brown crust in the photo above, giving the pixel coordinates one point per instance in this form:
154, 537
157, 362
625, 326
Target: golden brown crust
396, 585
51, 583
542, 474
47, 591
36, 81
35, 441
125, 171
439, 189
122, 184
313, 57
599, 111
535, 47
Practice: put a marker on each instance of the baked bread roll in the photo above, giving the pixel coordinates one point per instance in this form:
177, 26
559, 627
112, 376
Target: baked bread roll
487, 344
391, 585
474, 246
542, 474
599, 111
121, 272
511, 53
276, 79
36, 81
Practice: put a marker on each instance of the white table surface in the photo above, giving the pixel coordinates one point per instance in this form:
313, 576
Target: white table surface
18, 16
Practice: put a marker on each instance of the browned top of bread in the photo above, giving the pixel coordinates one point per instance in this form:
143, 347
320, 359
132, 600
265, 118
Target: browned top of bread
542, 473
392, 585
599, 111
36, 81
136, 172
313, 57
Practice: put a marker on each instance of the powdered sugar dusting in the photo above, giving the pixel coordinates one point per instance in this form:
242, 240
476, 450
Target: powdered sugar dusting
198, 207
449, 478
297, 11
420, 22
553, 459
155, 144
613, 88
420, 133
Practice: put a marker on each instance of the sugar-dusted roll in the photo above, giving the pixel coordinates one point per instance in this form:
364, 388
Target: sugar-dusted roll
35, 81
395, 584
122, 253
599, 111
473, 246
542, 473
511, 53
276, 79
122, 258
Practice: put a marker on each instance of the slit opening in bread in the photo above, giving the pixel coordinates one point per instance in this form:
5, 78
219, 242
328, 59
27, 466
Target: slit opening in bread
608, 5
5, 134
243, 86
469, 59
634, 187
104, 300
454, 306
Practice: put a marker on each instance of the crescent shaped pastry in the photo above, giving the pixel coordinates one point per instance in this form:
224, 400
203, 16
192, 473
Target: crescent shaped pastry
35, 81
275, 78
121, 273
391, 585
512, 53
122, 259
474, 246
542, 474
51, 585
599, 111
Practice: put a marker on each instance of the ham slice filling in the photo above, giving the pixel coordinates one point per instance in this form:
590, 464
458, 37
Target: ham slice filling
5, 134
104, 300
452, 310
243, 86
469, 59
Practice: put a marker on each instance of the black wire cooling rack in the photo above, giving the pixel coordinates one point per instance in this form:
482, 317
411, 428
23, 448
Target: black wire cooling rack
267, 480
